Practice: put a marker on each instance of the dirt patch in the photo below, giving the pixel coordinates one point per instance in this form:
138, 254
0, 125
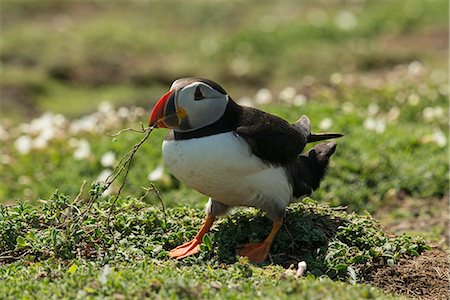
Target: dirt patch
424, 277
428, 218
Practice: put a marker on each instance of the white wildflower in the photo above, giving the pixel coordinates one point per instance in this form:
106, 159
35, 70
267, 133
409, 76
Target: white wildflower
40, 142
263, 96
287, 94
325, 124
156, 174
377, 125
336, 78
240, 66
23, 144
415, 68
106, 271
104, 174
346, 20
108, 159
413, 99
370, 124
428, 114
439, 138
105, 107
87, 123
245, 101
301, 269
82, 150
123, 112
299, 100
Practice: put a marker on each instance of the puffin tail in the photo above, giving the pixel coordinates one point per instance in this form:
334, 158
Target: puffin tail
315, 137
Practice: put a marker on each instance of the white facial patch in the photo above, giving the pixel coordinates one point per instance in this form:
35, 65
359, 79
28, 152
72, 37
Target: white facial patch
202, 112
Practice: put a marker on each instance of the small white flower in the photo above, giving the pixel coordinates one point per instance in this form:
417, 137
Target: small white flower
103, 175
108, 159
123, 112
23, 144
299, 100
413, 99
246, 101
336, 78
240, 65
156, 174
415, 68
377, 125
263, 96
439, 138
106, 271
301, 268
40, 142
428, 113
325, 124
82, 150
287, 94
105, 107
370, 124
346, 20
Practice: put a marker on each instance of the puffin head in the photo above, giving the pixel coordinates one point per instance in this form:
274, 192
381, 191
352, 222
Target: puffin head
190, 104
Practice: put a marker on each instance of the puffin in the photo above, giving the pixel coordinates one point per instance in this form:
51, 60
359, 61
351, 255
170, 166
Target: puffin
237, 156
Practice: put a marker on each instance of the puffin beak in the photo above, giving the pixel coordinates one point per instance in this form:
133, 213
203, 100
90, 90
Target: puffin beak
165, 114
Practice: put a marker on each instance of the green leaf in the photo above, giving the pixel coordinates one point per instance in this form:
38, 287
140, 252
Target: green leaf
21, 242
207, 242
72, 269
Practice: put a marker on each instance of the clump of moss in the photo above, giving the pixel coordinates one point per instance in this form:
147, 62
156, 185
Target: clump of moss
331, 241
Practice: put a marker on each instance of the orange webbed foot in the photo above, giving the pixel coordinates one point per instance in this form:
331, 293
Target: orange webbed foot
185, 250
192, 247
256, 252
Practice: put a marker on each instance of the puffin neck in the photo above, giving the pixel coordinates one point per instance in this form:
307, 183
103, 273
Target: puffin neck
228, 122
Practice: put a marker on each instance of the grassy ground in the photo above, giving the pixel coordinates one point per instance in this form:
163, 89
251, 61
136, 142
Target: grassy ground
375, 71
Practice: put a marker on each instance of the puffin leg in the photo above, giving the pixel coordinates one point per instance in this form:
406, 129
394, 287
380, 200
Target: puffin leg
258, 252
192, 247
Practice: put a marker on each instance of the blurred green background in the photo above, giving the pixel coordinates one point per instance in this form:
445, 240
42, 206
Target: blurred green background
68, 56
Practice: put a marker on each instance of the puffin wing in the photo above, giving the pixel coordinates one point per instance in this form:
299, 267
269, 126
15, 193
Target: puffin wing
271, 138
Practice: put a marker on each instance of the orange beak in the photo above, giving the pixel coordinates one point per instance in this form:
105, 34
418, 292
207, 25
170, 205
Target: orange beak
164, 114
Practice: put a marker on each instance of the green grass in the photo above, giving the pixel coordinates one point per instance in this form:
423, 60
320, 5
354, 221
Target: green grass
67, 242
387, 69
168, 280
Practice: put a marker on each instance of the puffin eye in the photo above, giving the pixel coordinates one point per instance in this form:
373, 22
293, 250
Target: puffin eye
198, 95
